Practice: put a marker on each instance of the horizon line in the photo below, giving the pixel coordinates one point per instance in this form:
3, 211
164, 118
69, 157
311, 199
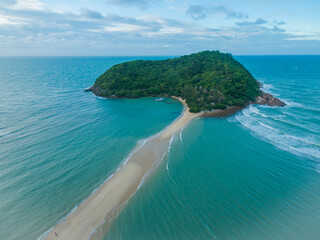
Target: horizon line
13, 56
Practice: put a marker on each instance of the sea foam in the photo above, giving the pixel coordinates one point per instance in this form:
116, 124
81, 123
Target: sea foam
301, 146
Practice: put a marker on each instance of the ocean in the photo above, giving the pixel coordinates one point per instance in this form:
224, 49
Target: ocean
254, 175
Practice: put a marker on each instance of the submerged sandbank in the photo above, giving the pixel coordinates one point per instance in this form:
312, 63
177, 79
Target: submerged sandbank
91, 220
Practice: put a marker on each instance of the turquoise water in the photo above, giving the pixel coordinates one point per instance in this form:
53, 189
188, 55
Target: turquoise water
252, 176
57, 143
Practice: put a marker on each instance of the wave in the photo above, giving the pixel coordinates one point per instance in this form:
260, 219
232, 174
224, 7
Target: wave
169, 149
308, 108
291, 103
4, 133
266, 86
257, 111
102, 98
301, 146
267, 126
180, 135
252, 109
279, 118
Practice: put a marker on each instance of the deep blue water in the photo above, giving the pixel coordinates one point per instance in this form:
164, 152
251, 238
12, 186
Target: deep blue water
255, 175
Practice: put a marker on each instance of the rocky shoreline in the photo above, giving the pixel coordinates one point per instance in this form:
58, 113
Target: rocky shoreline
268, 99
263, 99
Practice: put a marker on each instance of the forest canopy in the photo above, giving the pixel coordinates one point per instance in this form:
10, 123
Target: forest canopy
206, 80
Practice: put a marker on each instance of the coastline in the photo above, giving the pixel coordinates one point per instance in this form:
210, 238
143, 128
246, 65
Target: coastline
93, 217
262, 99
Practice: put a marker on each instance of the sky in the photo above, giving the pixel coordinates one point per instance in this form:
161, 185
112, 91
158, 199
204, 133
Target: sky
158, 27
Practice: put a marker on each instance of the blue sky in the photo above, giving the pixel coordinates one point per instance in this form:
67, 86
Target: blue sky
158, 27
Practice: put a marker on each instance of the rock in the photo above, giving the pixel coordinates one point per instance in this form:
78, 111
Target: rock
88, 89
219, 113
268, 99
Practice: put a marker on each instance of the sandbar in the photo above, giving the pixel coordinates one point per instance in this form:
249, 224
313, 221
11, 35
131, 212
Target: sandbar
92, 218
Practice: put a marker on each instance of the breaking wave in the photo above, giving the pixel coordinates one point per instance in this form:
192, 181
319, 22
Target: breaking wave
303, 144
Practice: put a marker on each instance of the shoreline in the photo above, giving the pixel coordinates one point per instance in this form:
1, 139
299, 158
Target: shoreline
262, 99
93, 217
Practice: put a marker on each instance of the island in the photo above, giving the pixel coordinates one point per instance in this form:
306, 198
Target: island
207, 80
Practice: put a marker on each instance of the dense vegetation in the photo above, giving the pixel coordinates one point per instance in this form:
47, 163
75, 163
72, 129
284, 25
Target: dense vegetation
207, 80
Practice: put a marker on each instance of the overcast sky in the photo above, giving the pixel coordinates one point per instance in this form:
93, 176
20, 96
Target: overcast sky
158, 27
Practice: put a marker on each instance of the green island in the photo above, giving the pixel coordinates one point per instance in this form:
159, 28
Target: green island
207, 80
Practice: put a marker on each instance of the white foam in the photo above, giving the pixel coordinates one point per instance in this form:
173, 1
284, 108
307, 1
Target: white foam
210, 231
171, 140
290, 103
180, 135
267, 86
142, 142
297, 145
173, 137
267, 126
256, 111
155, 165
102, 98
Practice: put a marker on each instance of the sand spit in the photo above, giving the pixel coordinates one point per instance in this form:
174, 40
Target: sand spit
91, 220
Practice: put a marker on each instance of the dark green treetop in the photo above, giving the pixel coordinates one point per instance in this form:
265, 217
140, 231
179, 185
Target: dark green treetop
207, 80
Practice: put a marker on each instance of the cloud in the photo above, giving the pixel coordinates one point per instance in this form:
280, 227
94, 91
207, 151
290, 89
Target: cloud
197, 12
259, 21
90, 14
34, 31
280, 22
305, 38
200, 12
6, 3
140, 3
21, 4
277, 29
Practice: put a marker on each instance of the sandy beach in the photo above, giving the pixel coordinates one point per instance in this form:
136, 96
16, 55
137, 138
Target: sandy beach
92, 219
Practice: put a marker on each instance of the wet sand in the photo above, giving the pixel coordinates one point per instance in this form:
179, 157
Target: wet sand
92, 219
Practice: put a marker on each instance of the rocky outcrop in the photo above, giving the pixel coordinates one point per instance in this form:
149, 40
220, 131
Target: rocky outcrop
88, 89
221, 113
268, 99
263, 99
97, 91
